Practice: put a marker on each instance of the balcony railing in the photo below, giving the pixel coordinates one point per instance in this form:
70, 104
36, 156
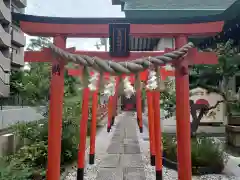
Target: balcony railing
5, 13
20, 3
5, 38
17, 58
18, 37
4, 89
5, 62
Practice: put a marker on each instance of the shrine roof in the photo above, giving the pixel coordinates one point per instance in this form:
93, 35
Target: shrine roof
231, 28
177, 8
177, 4
70, 20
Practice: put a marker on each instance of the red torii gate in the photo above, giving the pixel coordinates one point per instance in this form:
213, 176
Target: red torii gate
61, 28
143, 77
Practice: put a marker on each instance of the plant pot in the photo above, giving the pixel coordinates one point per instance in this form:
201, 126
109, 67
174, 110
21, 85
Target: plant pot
233, 135
234, 120
195, 170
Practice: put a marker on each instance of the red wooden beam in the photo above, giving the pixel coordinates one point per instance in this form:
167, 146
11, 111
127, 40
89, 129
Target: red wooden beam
42, 56
37, 56
165, 73
194, 56
46, 55
137, 30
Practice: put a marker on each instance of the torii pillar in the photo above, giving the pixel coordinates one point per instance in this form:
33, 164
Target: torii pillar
183, 115
55, 115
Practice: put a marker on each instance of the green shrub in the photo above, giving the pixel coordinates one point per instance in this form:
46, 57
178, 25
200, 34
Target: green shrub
12, 170
29, 162
204, 151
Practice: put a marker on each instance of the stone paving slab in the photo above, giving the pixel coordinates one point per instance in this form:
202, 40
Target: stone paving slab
115, 149
131, 160
134, 173
110, 161
130, 141
110, 174
123, 159
132, 149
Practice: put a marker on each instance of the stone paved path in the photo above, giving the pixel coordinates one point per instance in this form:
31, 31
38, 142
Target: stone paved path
123, 159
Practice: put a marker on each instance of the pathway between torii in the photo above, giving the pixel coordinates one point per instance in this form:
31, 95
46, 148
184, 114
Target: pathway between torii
123, 154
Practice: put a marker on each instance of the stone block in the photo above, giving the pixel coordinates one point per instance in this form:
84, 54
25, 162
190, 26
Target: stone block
6, 144
234, 120
115, 148
110, 161
132, 149
233, 135
130, 141
131, 160
110, 174
130, 173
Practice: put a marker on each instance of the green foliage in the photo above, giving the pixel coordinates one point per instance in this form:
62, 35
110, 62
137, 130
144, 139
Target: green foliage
228, 66
29, 162
205, 151
11, 170
33, 155
168, 98
219, 75
38, 43
33, 85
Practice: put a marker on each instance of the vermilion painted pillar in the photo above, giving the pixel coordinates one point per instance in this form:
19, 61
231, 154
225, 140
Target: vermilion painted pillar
139, 109
83, 128
93, 127
158, 135
115, 101
55, 116
151, 127
110, 111
139, 103
183, 116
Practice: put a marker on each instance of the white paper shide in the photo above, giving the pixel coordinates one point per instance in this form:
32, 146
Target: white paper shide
128, 88
93, 81
109, 89
152, 81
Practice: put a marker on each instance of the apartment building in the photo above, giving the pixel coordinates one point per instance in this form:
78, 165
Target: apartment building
12, 42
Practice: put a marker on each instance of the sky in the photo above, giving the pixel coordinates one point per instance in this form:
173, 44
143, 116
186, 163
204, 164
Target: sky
75, 8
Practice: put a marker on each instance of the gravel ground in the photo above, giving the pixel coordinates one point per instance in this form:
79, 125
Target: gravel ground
169, 174
102, 142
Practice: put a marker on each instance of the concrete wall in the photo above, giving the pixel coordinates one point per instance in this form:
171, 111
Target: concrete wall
11, 115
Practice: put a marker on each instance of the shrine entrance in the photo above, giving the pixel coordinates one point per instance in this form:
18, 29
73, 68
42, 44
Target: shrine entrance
128, 104
115, 66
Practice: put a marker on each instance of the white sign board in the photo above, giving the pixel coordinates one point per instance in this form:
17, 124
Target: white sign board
201, 96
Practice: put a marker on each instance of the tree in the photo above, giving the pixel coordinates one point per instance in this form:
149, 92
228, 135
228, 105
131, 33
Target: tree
214, 78
103, 42
33, 85
218, 74
38, 43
